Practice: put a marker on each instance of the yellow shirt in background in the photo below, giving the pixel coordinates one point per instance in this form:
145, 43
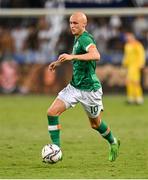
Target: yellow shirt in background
134, 59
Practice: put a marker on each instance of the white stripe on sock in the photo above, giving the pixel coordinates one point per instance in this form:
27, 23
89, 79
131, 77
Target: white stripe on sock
52, 127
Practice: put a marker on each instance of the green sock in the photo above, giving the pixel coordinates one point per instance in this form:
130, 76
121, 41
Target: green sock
54, 129
106, 133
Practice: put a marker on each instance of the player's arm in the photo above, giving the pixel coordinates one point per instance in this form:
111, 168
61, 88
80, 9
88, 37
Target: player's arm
92, 54
125, 58
141, 56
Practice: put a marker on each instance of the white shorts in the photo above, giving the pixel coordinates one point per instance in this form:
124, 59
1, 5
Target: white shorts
91, 101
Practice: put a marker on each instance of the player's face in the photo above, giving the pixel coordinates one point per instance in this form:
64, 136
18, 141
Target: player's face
129, 37
76, 25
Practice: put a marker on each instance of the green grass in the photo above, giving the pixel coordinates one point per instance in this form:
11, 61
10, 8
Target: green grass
23, 133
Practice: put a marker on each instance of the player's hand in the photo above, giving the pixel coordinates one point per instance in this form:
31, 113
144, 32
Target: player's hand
65, 57
53, 65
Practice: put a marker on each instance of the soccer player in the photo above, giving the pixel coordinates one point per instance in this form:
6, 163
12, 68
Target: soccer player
84, 87
133, 61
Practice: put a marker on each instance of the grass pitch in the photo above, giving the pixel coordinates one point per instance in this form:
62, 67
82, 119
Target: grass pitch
23, 133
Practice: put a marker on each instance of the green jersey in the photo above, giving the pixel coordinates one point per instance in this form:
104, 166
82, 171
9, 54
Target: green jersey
84, 76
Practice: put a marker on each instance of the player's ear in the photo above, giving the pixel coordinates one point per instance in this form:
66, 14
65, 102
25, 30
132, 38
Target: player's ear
84, 24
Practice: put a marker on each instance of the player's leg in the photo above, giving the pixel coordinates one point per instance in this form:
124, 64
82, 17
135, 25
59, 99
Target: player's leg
66, 98
99, 125
92, 103
130, 92
138, 93
130, 88
57, 107
138, 88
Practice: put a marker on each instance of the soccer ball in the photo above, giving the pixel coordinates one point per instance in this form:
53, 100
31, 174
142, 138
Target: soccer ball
51, 153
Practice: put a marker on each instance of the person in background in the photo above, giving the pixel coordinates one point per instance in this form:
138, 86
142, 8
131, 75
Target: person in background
133, 61
9, 77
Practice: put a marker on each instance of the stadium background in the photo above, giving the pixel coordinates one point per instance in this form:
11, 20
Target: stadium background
28, 43
32, 36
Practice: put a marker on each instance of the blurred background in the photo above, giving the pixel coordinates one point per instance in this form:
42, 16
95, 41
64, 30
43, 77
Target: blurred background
34, 33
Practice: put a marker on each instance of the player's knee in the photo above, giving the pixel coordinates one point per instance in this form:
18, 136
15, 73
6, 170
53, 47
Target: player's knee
95, 123
52, 112
94, 126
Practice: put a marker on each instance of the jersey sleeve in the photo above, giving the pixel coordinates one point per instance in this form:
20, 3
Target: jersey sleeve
125, 57
140, 55
86, 42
